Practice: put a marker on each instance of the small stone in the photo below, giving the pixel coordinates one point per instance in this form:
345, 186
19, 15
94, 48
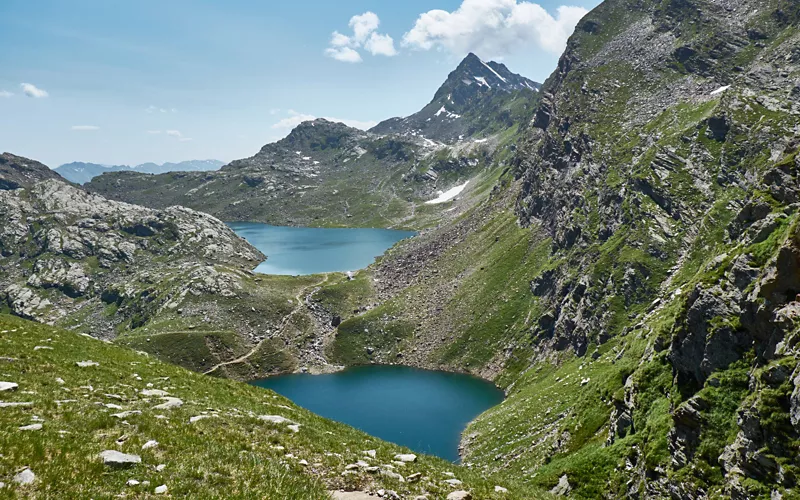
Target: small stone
160, 490
460, 495
406, 457
500, 489
150, 444
275, 419
87, 364
8, 386
563, 487
294, 427
25, 477
453, 482
32, 427
303, 462
370, 453
42, 348
393, 475
126, 414
585, 381
132, 482
412, 478
197, 418
115, 458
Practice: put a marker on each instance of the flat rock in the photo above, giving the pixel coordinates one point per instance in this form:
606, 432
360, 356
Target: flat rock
87, 364
8, 386
160, 490
4, 404
169, 403
453, 482
126, 414
500, 489
351, 495
32, 427
154, 393
25, 477
115, 458
406, 457
132, 482
460, 495
275, 419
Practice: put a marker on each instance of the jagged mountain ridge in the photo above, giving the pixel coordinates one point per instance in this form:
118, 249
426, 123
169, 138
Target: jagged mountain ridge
81, 172
308, 177
473, 89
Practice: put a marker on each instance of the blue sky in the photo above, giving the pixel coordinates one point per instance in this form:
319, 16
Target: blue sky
113, 81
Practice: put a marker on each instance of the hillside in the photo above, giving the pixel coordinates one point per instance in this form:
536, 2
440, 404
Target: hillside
81, 172
18, 172
308, 177
73, 399
176, 282
632, 282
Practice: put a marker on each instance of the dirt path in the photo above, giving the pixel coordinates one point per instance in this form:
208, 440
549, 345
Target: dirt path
300, 298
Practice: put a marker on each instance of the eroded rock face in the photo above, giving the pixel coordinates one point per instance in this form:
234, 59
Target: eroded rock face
59, 243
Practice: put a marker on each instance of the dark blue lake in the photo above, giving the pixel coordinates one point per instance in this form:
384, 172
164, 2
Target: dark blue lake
306, 250
421, 409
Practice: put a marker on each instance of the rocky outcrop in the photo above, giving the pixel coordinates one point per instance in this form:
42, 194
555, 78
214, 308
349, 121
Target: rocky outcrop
18, 172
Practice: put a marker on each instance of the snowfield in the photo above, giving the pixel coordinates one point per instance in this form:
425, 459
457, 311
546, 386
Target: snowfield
445, 196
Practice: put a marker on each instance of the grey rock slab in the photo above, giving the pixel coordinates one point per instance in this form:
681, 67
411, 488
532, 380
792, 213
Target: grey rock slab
32, 427
8, 386
115, 458
406, 457
87, 364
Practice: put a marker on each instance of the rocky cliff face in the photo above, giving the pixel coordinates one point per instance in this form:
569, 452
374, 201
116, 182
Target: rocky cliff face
478, 98
61, 246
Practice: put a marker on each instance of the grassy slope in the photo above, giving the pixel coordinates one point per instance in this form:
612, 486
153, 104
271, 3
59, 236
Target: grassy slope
230, 454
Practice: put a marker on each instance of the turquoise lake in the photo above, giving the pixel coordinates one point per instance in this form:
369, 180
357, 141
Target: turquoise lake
305, 250
421, 409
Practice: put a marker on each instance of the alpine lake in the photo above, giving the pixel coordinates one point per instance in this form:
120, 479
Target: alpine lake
423, 410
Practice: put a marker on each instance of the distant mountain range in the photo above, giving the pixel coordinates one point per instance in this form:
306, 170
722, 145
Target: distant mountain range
81, 173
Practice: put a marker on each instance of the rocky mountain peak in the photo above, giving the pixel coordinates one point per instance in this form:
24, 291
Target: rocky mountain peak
473, 75
474, 98
320, 134
18, 172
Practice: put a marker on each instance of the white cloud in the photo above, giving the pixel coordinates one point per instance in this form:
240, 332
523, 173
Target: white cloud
32, 90
343, 54
84, 128
365, 36
380, 45
364, 25
294, 119
174, 133
494, 28
5, 93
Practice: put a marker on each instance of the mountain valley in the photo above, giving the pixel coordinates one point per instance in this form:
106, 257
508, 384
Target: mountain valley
624, 263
